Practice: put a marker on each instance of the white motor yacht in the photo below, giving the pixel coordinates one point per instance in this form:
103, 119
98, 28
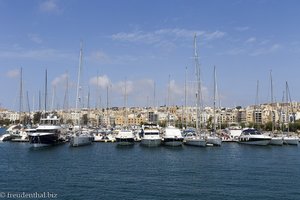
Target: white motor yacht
125, 137
150, 135
172, 136
254, 137
47, 133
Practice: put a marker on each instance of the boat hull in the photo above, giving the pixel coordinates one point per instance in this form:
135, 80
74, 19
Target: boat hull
42, 140
195, 142
259, 142
291, 141
174, 142
125, 141
215, 141
276, 141
77, 141
151, 142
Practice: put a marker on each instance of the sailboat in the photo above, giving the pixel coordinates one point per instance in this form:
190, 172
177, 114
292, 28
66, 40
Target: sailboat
125, 136
213, 139
289, 138
80, 137
276, 139
195, 138
171, 135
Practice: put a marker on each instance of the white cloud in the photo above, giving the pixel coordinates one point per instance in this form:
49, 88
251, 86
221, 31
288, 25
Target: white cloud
35, 38
13, 73
61, 79
119, 87
166, 36
49, 6
175, 89
100, 56
267, 50
103, 81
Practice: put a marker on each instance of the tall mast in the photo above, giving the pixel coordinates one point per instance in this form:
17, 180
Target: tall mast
154, 95
125, 103
272, 101
198, 93
78, 78
169, 99
107, 105
214, 124
28, 105
185, 99
40, 101
287, 106
21, 95
46, 87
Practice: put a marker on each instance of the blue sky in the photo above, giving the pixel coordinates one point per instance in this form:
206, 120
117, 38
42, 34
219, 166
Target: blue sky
143, 42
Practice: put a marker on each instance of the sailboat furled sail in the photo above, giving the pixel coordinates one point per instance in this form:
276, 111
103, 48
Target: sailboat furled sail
80, 137
195, 138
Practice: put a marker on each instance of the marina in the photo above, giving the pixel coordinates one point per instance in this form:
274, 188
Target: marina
184, 172
150, 100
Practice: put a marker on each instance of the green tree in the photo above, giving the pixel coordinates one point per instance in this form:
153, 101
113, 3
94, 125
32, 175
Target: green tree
268, 126
36, 117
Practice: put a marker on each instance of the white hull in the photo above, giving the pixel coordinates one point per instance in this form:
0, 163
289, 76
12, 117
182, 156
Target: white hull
276, 141
259, 143
151, 142
291, 140
213, 140
80, 140
195, 142
125, 138
173, 143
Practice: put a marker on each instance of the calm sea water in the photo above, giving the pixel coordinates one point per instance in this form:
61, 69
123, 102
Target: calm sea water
105, 171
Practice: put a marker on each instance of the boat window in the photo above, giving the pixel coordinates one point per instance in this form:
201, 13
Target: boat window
151, 133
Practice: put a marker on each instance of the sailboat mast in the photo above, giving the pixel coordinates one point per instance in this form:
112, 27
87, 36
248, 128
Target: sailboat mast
125, 103
185, 99
287, 106
214, 124
197, 69
107, 105
78, 78
154, 95
21, 95
272, 101
46, 87
168, 103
